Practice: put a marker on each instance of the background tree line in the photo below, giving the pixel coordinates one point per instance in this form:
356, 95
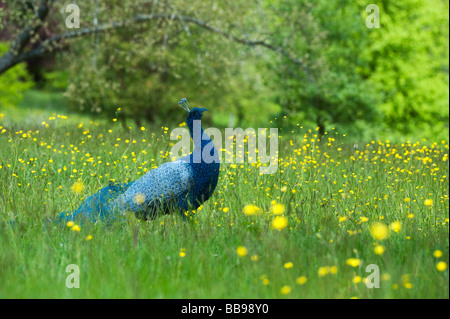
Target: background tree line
314, 62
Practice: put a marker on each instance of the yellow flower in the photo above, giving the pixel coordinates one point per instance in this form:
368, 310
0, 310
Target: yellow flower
437, 253
254, 258
75, 228
323, 271
279, 222
139, 198
88, 237
379, 231
288, 265
241, 251
428, 202
441, 266
284, 189
277, 209
251, 209
385, 277
379, 250
356, 279
285, 290
182, 254
70, 224
78, 187
301, 280
395, 226
226, 209
354, 262
405, 282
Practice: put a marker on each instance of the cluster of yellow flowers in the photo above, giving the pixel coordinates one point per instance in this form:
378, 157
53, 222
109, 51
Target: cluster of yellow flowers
76, 228
441, 265
278, 222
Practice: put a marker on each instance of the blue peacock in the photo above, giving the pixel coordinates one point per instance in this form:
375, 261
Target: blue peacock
176, 186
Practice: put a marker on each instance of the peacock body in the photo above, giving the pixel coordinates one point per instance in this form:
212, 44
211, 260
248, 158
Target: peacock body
179, 185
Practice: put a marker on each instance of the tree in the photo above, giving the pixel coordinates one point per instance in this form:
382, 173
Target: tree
315, 60
331, 92
408, 64
162, 45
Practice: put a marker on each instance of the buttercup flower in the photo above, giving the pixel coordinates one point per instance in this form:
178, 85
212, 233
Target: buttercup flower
279, 222
395, 226
241, 251
251, 209
379, 231
354, 262
278, 209
441, 266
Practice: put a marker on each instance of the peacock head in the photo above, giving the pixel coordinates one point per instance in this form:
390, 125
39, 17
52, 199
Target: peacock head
194, 114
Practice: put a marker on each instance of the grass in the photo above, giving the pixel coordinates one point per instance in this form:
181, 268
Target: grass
329, 193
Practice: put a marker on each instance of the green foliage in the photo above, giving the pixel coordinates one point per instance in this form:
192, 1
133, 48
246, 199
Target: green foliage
408, 66
56, 80
146, 68
13, 83
327, 90
368, 81
371, 82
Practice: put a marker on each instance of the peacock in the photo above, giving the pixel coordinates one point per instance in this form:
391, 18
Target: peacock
176, 186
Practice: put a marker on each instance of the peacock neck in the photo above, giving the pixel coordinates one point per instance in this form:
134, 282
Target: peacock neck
201, 140
198, 135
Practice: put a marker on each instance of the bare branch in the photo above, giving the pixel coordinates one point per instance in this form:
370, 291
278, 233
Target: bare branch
9, 59
20, 42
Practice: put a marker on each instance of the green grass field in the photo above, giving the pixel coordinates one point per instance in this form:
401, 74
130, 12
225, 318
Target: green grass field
315, 225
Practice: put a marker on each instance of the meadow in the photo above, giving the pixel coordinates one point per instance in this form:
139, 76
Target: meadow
307, 231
